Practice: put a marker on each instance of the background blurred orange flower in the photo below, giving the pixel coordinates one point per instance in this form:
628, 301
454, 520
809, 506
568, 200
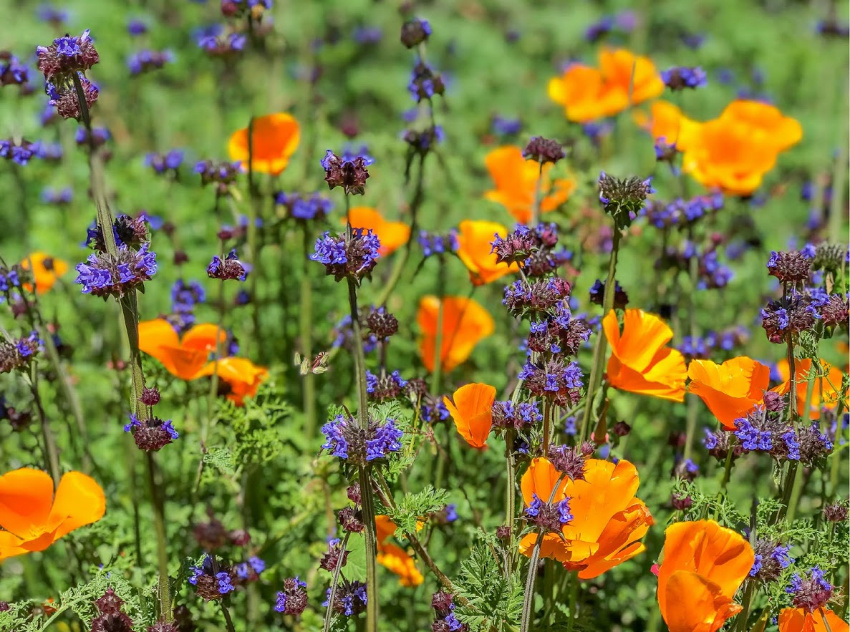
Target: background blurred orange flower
704, 564
274, 139
472, 412
765, 122
184, 357
666, 121
465, 323
608, 520
730, 389
392, 235
240, 374
393, 557
516, 181
799, 620
825, 392
33, 519
639, 362
623, 79
474, 249
46, 270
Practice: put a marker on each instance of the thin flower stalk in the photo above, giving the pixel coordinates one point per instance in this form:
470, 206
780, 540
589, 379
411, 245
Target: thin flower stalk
334, 584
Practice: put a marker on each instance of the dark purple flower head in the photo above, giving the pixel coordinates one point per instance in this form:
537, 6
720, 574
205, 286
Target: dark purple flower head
351, 520
136, 27
597, 293
788, 316
151, 434
304, 208
508, 414
836, 512
222, 174
19, 152
425, 82
810, 592
345, 439
348, 172
335, 556
570, 461
349, 599
351, 257
683, 77
664, 151
414, 32
114, 275
228, 269
551, 517
832, 27
220, 45
523, 298
110, 617
436, 244
65, 56
17, 354
387, 386
12, 71
771, 558
381, 324
292, 600
64, 97
555, 379
516, 247
148, 60
623, 199
423, 141
165, 163
543, 150
790, 267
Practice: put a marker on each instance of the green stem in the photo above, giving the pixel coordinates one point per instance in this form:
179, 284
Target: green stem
306, 324
227, 620
574, 586
693, 405
535, 209
547, 425
528, 599
596, 369
46, 432
727, 470
438, 340
161, 538
335, 583
741, 622
510, 504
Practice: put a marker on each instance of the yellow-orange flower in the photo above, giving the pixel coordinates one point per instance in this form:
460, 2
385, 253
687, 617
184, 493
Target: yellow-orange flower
516, 182
666, 121
46, 270
608, 520
825, 391
623, 79
474, 249
393, 557
465, 323
392, 235
184, 357
240, 374
472, 412
731, 389
32, 518
704, 565
765, 121
800, 620
274, 139
639, 362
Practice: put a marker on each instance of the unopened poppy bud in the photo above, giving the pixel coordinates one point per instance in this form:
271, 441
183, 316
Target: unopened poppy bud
543, 150
150, 397
414, 32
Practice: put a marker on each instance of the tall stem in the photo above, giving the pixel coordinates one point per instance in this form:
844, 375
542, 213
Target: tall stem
596, 369
528, 599
46, 432
438, 339
306, 336
693, 405
335, 583
510, 501
159, 529
535, 209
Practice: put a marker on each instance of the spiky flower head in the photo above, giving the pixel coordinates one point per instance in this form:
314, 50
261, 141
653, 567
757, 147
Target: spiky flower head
623, 198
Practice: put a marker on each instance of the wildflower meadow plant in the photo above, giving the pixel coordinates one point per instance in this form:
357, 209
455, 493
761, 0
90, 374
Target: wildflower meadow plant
413, 318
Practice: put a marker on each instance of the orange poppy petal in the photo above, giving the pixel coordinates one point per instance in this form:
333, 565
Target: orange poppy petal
398, 561
243, 376
696, 604
79, 501
472, 411
384, 528
540, 479
274, 139
154, 334
465, 323
10, 545
26, 496
476, 252
620, 540
46, 270
203, 337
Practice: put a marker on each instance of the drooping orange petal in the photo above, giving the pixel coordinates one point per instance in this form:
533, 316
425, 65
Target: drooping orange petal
204, 337
274, 139
465, 323
731, 389
540, 479
243, 376
619, 540
397, 561
46, 270
472, 411
156, 334
799, 620
26, 496
10, 545
392, 235
696, 604
825, 392
79, 501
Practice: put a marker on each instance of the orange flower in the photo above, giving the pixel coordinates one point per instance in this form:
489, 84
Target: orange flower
704, 565
516, 182
608, 521
766, 122
731, 389
623, 79
639, 362
242, 375
393, 557
32, 518
46, 270
472, 412
667, 121
391, 234
799, 620
474, 249
274, 139
465, 322
824, 391
184, 357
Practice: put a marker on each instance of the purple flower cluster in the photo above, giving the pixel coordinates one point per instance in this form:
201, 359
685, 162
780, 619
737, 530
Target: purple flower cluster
348, 257
219, 45
553, 379
292, 600
726, 340
763, 431
17, 354
548, 516
304, 208
115, 275
683, 77
681, 212
165, 163
151, 434
211, 585
148, 60
810, 592
59, 197
349, 600
415, 31
434, 244
445, 620
770, 560
347, 171
346, 440
511, 415
791, 267
19, 152
228, 269
623, 198
425, 82
387, 386
12, 71
65, 56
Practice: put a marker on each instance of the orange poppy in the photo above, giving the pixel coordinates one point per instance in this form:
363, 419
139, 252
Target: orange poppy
623, 79
824, 391
800, 620
475, 250
33, 518
608, 520
766, 122
184, 357
666, 121
392, 235
704, 565
639, 362
274, 139
730, 390
472, 411
516, 182
393, 557
465, 323
46, 270
243, 376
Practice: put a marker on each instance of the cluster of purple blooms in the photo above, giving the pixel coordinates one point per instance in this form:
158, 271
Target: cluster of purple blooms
168, 162
505, 126
211, 585
63, 62
303, 207
683, 77
228, 269
437, 244
681, 212
445, 620
20, 152
508, 414
623, 22
349, 600
548, 516
384, 387
810, 592
348, 256
292, 600
763, 431
726, 340
12, 71
59, 197
17, 354
148, 60
348, 171
216, 44
152, 433
185, 296
770, 559
346, 440
105, 274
